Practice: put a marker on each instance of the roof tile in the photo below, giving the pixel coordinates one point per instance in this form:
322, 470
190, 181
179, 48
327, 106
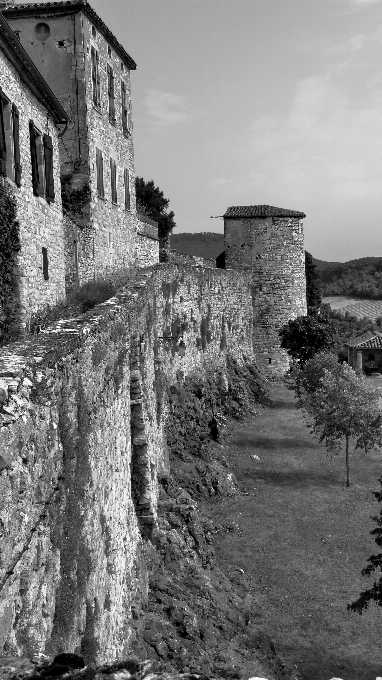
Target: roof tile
261, 211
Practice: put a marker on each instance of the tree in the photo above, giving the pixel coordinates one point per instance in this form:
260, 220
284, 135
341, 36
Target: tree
304, 336
341, 408
313, 285
375, 565
309, 377
151, 202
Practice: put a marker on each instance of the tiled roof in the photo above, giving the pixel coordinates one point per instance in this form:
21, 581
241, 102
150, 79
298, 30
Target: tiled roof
261, 211
29, 72
68, 7
369, 340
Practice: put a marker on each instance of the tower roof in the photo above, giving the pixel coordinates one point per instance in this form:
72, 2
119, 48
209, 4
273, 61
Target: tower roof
261, 211
44, 9
29, 72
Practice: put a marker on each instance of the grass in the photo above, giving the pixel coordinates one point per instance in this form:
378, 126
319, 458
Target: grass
302, 541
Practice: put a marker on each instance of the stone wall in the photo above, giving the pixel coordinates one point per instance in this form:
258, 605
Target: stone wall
271, 250
175, 257
147, 243
82, 447
40, 222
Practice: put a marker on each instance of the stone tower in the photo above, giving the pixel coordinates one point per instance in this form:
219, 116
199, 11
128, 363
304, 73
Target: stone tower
269, 242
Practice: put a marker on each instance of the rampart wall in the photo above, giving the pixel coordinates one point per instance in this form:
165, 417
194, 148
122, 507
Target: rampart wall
82, 446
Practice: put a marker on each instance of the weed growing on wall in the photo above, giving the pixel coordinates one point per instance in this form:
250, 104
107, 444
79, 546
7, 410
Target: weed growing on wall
74, 200
9, 247
200, 405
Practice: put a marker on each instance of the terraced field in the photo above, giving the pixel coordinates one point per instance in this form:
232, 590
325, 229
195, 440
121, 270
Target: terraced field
355, 306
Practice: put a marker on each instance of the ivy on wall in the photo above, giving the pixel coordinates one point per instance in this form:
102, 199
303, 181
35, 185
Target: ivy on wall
74, 200
9, 247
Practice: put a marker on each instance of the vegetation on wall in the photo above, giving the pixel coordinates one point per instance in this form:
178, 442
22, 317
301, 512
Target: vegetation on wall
200, 405
9, 247
152, 202
313, 284
74, 200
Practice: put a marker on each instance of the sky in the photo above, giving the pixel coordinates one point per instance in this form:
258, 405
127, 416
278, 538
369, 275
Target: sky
244, 102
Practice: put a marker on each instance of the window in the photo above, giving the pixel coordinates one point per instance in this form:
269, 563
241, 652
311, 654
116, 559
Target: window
96, 82
111, 93
125, 110
113, 178
9, 140
94, 33
42, 163
122, 67
99, 167
45, 263
108, 51
127, 189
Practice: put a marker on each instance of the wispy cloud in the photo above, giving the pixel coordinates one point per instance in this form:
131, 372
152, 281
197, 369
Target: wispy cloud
168, 108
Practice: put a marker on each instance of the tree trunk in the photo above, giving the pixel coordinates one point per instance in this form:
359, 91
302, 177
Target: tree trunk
347, 460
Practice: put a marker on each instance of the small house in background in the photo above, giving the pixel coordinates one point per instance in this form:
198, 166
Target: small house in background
365, 352
30, 125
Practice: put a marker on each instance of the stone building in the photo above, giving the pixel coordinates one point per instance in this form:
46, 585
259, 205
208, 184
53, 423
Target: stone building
89, 72
30, 124
365, 352
269, 243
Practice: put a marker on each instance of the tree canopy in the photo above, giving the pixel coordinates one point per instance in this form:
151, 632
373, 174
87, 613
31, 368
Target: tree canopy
304, 336
313, 284
151, 202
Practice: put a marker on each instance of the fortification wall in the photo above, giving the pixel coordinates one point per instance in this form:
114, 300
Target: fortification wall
82, 446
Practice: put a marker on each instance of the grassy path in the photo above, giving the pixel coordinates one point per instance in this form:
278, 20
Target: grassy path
303, 539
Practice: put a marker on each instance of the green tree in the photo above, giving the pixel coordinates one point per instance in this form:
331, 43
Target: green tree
151, 202
375, 565
304, 336
308, 378
313, 285
342, 408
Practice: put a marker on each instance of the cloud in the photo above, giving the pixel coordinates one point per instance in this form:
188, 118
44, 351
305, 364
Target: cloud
167, 108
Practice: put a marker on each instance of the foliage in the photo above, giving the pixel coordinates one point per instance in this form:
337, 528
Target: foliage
9, 247
74, 200
313, 284
152, 203
201, 404
309, 377
304, 336
375, 565
362, 277
79, 301
202, 244
339, 406
346, 326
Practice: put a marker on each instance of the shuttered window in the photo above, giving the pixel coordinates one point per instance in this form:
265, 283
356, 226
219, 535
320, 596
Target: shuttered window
99, 170
45, 263
127, 189
49, 176
113, 178
96, 82
111, 93
36, 159
3, 145
125, 113
16, 144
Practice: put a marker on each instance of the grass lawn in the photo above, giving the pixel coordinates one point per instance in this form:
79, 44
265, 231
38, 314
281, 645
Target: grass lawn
302, 541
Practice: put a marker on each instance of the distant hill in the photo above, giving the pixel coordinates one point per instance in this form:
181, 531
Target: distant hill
204, 244
322, 264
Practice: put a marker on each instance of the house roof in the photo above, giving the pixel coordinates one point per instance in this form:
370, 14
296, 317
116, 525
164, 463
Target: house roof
29, 72
261, 211
70, 7
369, 340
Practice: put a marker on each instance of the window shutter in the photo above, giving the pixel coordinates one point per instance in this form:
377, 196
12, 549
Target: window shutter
99, 165
49, 175
3, 146
127, 189
94, 75
35, 172
98, 78
16, 144
113, 174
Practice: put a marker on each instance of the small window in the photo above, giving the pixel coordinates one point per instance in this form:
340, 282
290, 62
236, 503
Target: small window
94, 33
111, 94
108, 51
122, 67
110, 239
45, 264
269, 360
96, 80
124, 107
113, 178
42, 32
127, 189
37, 159
99, 168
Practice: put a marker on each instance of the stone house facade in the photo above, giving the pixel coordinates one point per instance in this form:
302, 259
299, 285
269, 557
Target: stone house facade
89, 72
268, 242
31, 120
365, 352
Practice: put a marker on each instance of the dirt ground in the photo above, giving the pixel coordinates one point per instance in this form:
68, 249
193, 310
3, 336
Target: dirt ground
302, 539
